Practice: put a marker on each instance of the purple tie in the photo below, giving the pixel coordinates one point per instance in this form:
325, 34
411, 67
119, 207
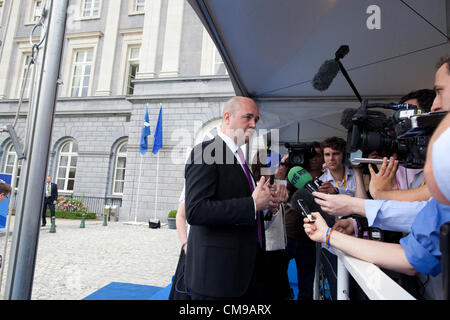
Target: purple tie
252, 188
244, 165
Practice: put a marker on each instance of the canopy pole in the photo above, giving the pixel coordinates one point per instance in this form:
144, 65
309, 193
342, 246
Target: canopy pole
31, 187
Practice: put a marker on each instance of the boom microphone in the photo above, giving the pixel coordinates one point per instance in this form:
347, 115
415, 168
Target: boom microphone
301, 179
326, 74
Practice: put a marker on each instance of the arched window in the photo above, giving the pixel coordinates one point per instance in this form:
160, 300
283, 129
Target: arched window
10, 159
208, 131
67, 165
120, 164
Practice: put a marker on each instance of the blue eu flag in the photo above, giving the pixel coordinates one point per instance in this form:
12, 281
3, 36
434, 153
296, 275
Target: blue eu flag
143, 146
158, 141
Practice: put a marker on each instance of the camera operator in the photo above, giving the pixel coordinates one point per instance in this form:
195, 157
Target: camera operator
392, 215
419, 251
409, 183
340, 178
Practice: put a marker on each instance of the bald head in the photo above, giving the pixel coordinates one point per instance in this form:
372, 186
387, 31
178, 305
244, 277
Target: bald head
239, 118
234, 103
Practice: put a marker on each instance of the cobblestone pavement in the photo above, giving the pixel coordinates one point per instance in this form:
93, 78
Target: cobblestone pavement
75, 262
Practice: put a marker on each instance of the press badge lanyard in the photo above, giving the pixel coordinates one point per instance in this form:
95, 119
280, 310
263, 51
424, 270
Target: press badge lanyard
345, 182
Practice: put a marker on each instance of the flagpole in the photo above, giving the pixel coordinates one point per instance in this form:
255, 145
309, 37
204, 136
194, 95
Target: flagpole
139, 188
157, 174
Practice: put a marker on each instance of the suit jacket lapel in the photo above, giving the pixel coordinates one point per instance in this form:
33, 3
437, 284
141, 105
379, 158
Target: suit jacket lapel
228, 154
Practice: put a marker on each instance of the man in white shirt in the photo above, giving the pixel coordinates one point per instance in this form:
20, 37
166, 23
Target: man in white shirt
339, 178
223, 208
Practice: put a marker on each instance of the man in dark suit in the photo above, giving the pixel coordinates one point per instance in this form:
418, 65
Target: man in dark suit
50, 198
224, 209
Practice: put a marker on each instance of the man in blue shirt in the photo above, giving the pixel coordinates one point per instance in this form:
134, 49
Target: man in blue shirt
419, 251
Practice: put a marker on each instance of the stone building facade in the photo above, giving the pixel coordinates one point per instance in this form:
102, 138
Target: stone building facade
119, 57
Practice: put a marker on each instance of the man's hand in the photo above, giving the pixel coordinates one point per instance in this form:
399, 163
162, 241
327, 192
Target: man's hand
262, 195
339, 204
281, 195
384, 180
345, 226
281, 172
327, 187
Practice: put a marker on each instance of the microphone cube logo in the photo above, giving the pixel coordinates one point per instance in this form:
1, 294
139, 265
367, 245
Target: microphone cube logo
374, 20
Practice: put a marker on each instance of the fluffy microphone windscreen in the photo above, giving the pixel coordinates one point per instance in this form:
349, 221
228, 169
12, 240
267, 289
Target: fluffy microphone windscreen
326, 74
308, 199
298, 177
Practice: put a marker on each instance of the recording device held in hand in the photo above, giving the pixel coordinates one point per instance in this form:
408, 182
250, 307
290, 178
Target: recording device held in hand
406, 132
308, 200
305, 210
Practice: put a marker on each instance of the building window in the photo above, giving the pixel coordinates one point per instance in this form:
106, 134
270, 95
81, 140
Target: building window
218, 65
132, 67
139, 5
119, 169
24, 77
211, 63
11, 157
81, 72
36, 11
91, 8
1, 12
136, 7
67, 165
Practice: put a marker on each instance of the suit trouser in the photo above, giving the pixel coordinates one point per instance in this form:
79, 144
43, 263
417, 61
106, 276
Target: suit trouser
255, 291
48, 202
304, 253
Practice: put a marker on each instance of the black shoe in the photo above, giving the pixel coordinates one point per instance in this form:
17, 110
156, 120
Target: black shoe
43, 225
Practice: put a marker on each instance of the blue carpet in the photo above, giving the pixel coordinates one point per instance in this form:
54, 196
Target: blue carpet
162, 294
124, 291
292, 275
130, 291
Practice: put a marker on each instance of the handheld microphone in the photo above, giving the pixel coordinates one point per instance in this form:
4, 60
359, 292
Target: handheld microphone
301, 179
303, 196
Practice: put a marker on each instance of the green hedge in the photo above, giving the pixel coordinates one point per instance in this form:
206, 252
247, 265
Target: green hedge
72, 215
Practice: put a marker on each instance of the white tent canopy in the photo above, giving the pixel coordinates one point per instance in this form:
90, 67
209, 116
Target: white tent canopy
273, 49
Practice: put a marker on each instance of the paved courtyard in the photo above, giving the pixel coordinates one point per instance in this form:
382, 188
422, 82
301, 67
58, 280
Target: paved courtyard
74, 262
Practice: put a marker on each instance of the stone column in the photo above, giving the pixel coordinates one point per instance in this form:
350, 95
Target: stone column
109, 49
7, 49
172, 39
149, 40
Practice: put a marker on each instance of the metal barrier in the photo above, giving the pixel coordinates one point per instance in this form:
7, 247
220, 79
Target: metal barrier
374, 282
97, 204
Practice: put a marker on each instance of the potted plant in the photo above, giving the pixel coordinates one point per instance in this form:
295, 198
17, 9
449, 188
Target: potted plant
171, 219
